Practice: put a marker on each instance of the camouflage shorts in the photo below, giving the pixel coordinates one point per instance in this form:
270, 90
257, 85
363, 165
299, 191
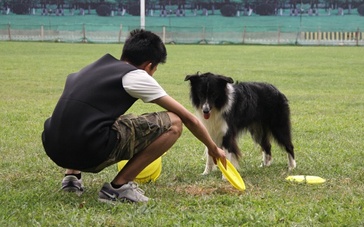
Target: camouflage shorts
134, 134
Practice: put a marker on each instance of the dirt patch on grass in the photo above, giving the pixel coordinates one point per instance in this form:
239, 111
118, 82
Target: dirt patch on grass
199, 190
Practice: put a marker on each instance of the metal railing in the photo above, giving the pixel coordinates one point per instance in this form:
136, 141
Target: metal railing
182, 35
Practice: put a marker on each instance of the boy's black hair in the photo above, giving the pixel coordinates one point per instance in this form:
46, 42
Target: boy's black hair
143, 46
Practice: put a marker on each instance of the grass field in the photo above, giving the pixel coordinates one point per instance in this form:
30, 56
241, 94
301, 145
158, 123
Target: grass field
325, 87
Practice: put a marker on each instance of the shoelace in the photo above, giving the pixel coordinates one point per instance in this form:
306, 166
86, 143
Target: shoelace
135, 187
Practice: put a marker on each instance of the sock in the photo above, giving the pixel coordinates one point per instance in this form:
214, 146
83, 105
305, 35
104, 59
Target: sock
116, 186
76, 175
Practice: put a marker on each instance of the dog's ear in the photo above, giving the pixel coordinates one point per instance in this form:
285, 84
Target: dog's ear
227, 79
191, 77
188, 77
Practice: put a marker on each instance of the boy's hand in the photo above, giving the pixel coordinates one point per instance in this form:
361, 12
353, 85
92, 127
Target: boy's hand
218, 153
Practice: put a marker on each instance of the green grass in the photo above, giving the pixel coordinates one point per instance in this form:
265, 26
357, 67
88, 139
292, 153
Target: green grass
326, 92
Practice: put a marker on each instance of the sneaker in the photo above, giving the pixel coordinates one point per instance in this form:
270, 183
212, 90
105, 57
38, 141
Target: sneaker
127, 193
72, 184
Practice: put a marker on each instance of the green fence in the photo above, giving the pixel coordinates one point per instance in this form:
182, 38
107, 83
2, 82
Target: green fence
326, 28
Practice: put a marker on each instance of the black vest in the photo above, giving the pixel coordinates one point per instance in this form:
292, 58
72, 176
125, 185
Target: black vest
78, 135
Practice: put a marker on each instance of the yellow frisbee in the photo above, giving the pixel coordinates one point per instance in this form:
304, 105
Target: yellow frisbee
306, 179
149, 173
232, 175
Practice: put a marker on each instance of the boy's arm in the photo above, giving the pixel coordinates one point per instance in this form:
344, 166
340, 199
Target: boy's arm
194, 125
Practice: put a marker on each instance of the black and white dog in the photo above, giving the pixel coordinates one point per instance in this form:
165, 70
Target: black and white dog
227, 110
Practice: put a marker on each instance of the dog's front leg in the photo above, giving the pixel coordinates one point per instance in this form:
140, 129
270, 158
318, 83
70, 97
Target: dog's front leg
209, 163
291, 162
266, 160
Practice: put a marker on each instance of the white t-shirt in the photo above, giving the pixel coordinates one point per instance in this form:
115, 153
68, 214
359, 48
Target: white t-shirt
139, 84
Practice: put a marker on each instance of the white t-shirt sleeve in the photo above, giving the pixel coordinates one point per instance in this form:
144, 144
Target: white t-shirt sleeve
139, 84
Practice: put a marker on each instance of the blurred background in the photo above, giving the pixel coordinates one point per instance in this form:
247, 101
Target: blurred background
295, 22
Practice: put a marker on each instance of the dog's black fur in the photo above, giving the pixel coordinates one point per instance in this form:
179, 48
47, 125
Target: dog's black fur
228, 109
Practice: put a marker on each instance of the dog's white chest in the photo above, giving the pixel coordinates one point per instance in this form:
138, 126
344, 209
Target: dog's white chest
215, 125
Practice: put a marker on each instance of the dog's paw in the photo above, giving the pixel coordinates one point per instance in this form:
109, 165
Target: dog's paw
264, 164
291, 165
223, 178
267, 160
205, 173
208, 169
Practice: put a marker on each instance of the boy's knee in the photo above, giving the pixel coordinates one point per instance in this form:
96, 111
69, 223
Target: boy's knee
176, 122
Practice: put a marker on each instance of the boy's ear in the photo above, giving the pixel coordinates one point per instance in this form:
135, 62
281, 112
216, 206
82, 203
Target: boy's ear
148, 67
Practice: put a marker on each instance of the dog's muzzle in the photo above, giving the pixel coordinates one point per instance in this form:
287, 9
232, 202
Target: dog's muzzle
206, 111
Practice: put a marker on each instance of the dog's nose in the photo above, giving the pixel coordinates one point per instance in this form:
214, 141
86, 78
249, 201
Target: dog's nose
206, 108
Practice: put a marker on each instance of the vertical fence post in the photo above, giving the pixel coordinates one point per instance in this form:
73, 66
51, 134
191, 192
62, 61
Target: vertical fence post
84, 40
121, 28
9, 32
244, 31
41, 33
319, 36
357, 37
164, 34
203, 34
279, 35
142, 14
